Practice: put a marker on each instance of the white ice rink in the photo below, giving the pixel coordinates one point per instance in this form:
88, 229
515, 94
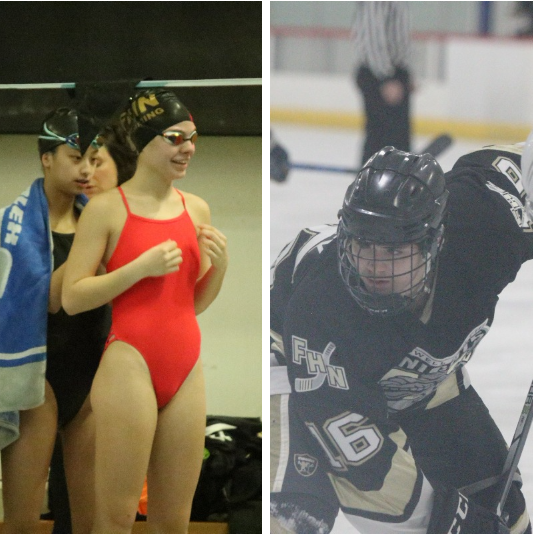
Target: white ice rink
502, 368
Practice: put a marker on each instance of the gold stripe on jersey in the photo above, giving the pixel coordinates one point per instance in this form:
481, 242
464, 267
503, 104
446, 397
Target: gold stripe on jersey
277, 528
399, 438
276, 342
446, 391
395, 372
395, 494
279, 440
521, 525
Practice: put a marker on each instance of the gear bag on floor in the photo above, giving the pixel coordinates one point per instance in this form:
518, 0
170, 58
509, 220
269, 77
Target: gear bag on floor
229, 488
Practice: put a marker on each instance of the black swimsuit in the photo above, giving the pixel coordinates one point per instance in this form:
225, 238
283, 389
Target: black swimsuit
75, 345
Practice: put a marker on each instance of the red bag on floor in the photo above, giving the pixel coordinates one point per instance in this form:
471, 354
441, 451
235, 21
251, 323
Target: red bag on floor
143, 502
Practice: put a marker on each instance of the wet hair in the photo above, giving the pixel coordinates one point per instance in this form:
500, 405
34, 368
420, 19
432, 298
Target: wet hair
121, 149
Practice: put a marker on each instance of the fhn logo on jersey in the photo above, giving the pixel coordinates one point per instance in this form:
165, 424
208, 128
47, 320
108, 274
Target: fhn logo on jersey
317, 365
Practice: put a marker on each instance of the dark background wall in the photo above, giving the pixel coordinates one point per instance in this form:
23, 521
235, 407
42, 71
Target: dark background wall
69, 42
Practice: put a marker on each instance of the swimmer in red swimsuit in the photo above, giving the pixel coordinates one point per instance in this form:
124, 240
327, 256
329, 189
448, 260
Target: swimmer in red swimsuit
164, 304
165, 264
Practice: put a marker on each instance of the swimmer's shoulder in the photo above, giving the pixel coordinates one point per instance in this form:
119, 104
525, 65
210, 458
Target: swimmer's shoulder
196, 206
105, 205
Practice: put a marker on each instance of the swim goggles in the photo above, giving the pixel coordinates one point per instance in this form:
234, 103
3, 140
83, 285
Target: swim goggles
72, 140
177, 138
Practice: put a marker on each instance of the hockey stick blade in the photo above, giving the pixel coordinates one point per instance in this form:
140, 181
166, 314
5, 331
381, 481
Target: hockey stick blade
435, 148
515, 450
322, 168
438, 145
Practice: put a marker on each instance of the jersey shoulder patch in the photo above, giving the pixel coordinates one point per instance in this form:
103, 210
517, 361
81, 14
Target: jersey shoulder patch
501, 161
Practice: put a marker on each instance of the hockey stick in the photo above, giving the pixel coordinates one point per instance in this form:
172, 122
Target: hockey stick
505, 479
515, 450
435, 148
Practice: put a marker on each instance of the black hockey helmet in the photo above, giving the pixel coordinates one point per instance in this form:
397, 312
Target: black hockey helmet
396, 203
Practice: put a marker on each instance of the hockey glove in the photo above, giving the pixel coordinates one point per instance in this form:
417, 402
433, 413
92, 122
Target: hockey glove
453, 513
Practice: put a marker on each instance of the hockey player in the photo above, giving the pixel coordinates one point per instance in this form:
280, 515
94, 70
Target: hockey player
372, 322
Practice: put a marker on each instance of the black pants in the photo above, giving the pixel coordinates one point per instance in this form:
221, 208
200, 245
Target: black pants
455, 444
386, 125
458, 444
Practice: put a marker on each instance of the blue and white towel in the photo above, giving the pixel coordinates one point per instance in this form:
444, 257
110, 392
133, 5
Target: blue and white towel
25, 270
9, 428
26, 265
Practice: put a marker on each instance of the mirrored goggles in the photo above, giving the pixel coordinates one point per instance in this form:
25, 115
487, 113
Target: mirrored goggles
177, 138
72, 140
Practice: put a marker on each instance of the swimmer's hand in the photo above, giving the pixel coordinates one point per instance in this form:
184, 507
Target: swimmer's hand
162, 259
214, 243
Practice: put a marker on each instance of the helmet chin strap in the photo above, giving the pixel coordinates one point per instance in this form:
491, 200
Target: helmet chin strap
433, 252
429, 295
423, 302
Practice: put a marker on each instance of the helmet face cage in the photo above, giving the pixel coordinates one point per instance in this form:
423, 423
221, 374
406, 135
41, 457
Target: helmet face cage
386, 278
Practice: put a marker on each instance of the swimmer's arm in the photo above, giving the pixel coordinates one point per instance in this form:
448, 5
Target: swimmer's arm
82, 289
207, 289
213, 257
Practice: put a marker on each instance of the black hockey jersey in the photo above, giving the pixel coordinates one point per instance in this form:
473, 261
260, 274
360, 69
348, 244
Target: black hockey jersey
353, 375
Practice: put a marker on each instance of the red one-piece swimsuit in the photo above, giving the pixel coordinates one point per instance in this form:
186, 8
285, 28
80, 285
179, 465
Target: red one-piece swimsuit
156, 315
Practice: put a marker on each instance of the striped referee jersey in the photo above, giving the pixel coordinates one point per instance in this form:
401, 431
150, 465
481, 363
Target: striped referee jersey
381, 34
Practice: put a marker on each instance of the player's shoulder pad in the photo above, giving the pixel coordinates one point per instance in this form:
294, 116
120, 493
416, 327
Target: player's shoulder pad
308, 244
502, 159
496, 169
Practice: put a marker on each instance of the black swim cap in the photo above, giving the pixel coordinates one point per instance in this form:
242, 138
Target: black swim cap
67, 126
153, 111
59, 127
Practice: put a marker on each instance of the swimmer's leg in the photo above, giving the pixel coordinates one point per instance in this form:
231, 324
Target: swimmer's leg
78, 458
177, 456
25, 466
125, 409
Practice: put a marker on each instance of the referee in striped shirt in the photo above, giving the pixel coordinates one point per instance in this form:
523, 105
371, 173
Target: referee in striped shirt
381, 34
